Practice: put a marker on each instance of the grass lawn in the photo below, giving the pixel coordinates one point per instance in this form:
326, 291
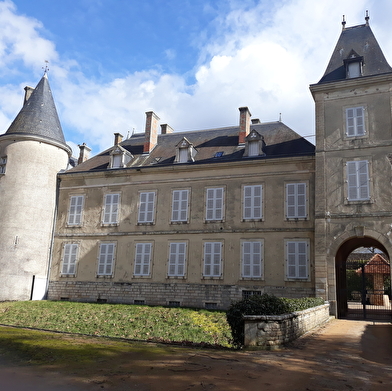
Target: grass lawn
158, 324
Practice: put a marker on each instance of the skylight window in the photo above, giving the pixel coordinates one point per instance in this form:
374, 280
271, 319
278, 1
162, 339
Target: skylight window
219, 154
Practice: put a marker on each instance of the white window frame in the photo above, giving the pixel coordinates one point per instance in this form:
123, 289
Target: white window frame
75, 211
70, 258
355, 121
183, 155
212, 262
180, 205
177, 259
3, 164
358, 180
252, 255
296, 200
146, 214
252, 202
143, 257
106, 259
253, 148
297, 259
111, 207
215, 203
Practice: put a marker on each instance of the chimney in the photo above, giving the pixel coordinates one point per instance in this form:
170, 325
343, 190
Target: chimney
84, 153
117, 138
244, 124
255, 121
28, 92
151, 133
166, 129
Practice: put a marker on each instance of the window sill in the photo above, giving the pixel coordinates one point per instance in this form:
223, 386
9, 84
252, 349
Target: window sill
110, 224
176, 277
67, 275
141, 276
212, 277
213, 221
179, 222
104, 276
358, 202
252, 279
252, 220
74, 225
146, 223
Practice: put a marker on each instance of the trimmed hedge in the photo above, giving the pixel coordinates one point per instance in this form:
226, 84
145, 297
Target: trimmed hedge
264, 305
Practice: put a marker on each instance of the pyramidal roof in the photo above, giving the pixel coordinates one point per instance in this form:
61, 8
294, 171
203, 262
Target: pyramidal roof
38, 116
360, 41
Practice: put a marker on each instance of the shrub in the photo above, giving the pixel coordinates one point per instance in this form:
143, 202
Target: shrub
263, 305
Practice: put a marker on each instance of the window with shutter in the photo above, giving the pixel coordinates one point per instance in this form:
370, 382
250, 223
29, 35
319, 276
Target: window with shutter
177, 259
110, 213
252, 202
69, 259
183, 155
296, 201
355, 121
214, 204
212, 259
3, 163
117, 161
252, 259
297, 259
146, 207
358, 180
75, 210
180, 205
106, 259
253, 148
142, 259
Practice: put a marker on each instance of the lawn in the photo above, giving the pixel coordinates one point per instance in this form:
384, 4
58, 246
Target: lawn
158, 324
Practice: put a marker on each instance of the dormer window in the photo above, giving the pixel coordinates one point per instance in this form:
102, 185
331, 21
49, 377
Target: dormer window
185, 152
254, 144
119, 157
353, 65
3, 163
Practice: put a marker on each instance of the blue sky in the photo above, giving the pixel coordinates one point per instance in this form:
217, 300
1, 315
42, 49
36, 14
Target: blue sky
193, 62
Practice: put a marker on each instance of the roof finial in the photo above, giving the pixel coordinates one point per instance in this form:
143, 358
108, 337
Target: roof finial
46, 69
344, 23
280, 117
367, 18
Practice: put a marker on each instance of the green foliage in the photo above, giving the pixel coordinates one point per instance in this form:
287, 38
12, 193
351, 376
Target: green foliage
263, 305
160, 324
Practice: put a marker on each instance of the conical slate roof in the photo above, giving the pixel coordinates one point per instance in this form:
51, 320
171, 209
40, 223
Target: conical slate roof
361, 41
38, 115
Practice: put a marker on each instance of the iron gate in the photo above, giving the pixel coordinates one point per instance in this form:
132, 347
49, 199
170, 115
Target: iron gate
368, 289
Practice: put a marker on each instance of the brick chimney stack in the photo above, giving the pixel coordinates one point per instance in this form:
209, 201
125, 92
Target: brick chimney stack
28, 92
84, 153
244, 124
166, 129
118, 138
151, 133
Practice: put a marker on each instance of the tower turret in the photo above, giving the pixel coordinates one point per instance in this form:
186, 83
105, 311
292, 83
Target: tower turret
32, 152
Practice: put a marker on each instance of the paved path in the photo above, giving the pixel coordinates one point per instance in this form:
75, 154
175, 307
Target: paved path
343, 355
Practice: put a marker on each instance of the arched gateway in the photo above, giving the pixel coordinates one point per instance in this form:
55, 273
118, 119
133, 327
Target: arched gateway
363, 285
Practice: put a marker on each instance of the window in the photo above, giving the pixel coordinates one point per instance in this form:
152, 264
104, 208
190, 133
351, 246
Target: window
297, 259
252, 203
253, 148
75, 210
212, 259
106, 259
142, 259
110, 212
355, 121
146, 207
180, 205
183, 155
69, 259
358, 180
214, 204
296, 201
252, 259
177, 259
3, 163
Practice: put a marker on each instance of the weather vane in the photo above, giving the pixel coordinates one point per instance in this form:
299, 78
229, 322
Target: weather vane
46, 69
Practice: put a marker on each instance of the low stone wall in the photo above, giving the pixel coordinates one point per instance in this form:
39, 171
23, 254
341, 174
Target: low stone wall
272, 331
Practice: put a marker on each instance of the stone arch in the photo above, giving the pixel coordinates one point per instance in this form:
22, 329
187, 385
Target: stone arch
342, 252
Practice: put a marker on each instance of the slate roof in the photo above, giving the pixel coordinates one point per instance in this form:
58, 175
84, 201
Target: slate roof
280, 140
361, 40
38, 115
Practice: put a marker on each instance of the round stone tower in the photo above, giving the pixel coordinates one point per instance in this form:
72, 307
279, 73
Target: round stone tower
32, 152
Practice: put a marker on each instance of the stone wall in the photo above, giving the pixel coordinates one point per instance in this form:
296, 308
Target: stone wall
272, 331
212, 296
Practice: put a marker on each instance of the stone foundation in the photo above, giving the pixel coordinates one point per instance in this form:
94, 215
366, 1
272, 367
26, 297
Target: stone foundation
272, 331
212, 296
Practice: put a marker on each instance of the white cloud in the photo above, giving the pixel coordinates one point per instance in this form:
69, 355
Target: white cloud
260, 56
